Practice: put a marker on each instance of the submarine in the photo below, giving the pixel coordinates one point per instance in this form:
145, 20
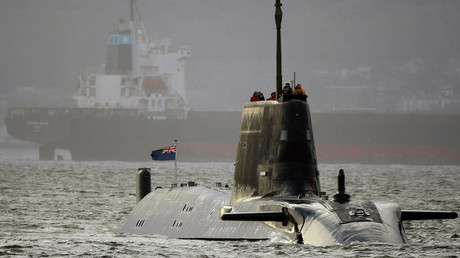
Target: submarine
276, 193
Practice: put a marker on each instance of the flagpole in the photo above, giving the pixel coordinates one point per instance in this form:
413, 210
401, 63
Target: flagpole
175, 162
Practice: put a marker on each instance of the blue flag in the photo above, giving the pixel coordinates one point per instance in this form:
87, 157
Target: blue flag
168, 153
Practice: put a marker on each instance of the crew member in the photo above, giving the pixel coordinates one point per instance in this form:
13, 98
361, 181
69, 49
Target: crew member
298, 90
255, 96
273, 96
287, 89
261, 96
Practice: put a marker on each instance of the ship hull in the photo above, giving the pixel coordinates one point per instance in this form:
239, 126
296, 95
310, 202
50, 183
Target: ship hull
387, 138
92, 134
111, 134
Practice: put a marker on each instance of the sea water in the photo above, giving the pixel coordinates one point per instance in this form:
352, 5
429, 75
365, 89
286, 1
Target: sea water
66, 208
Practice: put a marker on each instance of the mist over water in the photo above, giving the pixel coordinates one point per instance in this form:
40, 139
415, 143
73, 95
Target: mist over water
407, 48
52, 208
364, 56
384, 55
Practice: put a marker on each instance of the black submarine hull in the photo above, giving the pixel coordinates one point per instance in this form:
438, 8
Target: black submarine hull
195, 213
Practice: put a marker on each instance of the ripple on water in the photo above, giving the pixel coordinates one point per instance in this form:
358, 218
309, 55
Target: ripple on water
72, 208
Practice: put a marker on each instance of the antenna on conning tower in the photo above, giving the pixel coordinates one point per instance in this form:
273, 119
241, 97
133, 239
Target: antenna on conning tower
278, 18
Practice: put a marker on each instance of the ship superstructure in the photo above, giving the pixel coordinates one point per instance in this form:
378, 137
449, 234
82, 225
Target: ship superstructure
140, 73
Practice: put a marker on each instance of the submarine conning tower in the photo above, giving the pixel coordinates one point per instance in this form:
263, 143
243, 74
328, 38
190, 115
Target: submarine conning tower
276, 154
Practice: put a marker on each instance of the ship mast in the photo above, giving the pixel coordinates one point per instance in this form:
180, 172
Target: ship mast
278, 17
131, 13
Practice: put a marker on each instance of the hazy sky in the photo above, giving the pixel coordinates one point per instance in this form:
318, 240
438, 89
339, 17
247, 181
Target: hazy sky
45, 44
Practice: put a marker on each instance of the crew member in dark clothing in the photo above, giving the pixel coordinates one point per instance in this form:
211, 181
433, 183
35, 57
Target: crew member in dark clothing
287, 89
261, 96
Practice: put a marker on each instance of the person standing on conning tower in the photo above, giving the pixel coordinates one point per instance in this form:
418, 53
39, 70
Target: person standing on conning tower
273, 96
298, 90
255, 97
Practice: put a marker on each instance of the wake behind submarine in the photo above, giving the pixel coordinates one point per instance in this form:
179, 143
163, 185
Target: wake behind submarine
276, 193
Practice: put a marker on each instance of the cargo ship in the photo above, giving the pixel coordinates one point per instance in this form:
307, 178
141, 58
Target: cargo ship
139, 104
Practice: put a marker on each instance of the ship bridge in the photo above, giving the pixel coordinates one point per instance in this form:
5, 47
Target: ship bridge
140, 73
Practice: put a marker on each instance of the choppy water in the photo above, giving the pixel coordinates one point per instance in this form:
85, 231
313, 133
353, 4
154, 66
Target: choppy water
60, 208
